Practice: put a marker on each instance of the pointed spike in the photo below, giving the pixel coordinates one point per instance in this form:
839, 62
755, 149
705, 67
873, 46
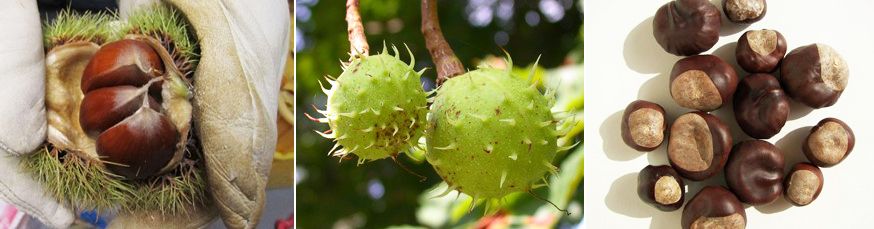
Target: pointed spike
503, 177
384, 47
480, 117
342, 137
407, 137
527, 141
533, 69
530, 106
395, 126
319, 120
472, 204
348, 114
413, 122
412, 58
552, 169
566, 148
545, 183
545, 123
543, 141
375, 111
448, 190
363, 111
324, 90
327, 135
341, 153
368, 130
333, 148
397, 54
430, 100
397, 108
420, 72
449, 147
514, 156
370, 145
406, 75
360, 161
510, 121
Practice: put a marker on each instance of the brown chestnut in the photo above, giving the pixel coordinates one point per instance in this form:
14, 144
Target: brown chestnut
760, 51
754, 172
687, 27
702, 82
714, 207
699, 145
661, 186
829, 142
123, 62
761, 108
644, 125
814, 75
140, 146
803, 184
744, 11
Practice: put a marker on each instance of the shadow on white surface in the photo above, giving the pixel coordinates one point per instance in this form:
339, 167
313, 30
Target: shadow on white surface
613, 146
798, 110
643, 54
623, 199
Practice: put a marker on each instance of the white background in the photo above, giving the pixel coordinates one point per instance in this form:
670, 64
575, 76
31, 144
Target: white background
624, 63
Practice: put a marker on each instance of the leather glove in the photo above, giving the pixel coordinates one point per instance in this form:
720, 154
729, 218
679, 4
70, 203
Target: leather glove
22, 112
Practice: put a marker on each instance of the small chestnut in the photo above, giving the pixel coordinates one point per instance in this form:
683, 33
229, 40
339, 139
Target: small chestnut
698, 145
761, 108
803, 184
760, 51
702, 82
744, 11
714, 207
754, 172
687, 27
661, 187
814, 75
643, 125
123, 62
829, 142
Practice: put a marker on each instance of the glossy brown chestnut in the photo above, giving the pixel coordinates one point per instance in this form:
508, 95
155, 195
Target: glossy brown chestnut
803, 184
714, 207
687, 27
644, 125
698, 145
702, 82
761, 108
829, 142
123, 62
744, 11
661, 186
754, 172
109, 106
814, 75
760, 51
140, 146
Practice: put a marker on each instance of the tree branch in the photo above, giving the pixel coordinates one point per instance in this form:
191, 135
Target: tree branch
447, 63
355, 30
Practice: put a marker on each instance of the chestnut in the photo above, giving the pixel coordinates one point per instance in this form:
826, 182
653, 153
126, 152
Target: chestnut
661, 187
702, 82
714, 207
699, 145
754, 172
760, 51
803, 184
687, 27
761, 108
123, 62
814, 75
744, 11
643, 125
829, 142
140, 146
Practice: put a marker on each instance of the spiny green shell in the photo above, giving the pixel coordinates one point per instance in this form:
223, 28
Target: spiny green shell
490, 134
376, 108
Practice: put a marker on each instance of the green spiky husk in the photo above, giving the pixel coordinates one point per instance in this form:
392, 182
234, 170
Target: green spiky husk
490, 134
170, 28
69, 26
84, 184
376, 107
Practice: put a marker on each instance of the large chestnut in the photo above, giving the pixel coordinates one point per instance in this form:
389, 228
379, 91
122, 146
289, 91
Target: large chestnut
714, 207
803, 184
761, 108
661, 186
687, 27
814, 75
643, 125
702, 82
829, 142
744, 11
760, 51
754, 172
135, 137
699, 145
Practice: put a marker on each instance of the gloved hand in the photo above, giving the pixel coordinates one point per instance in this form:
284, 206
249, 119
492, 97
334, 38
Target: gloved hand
22, 112
243, 47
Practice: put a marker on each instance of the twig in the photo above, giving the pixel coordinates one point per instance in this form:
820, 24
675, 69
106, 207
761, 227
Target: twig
355, 29
444, 58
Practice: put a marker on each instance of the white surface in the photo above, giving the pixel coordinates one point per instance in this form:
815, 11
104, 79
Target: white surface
624, 63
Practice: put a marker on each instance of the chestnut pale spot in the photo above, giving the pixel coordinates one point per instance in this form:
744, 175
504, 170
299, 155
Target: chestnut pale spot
733, 221
694, 89
667, 190
802, 187
763, 42
740, 10
690, 143
646, 127
829, 143
833, 69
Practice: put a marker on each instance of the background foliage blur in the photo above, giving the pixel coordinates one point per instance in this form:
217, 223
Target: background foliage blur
331, 193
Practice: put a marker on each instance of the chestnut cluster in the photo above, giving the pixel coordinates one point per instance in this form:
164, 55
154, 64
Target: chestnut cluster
700, 145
